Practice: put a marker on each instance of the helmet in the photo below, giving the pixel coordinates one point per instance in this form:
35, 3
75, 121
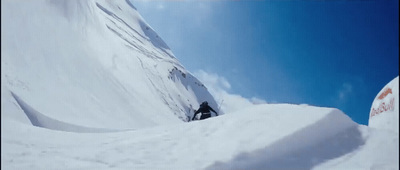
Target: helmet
205, 103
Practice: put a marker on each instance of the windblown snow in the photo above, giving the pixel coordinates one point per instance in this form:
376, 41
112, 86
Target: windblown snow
90, 85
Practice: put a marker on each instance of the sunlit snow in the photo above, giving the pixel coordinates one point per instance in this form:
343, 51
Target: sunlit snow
88, 84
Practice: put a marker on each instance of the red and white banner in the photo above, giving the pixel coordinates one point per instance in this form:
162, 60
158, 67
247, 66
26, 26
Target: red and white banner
384, 112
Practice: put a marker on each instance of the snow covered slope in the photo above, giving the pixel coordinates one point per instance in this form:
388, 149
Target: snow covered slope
93, 63
279, 136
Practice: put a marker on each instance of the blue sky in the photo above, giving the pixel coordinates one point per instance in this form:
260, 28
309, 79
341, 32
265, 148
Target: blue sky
335, 53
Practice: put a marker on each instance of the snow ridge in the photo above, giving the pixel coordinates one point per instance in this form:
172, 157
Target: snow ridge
40, 120
334, 135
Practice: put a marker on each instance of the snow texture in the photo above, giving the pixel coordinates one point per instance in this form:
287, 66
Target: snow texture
90, 85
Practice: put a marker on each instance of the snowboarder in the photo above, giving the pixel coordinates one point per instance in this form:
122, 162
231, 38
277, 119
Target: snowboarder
205, 111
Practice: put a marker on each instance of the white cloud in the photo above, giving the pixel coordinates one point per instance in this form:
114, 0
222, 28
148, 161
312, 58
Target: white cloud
160, 6
218, 86
256, 100
344, 91
214, 82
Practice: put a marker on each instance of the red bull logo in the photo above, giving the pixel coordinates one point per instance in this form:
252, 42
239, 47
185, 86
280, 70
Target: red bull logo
383, 107
385, 93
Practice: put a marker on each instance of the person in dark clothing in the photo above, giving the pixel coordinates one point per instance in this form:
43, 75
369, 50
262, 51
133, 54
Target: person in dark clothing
205, 111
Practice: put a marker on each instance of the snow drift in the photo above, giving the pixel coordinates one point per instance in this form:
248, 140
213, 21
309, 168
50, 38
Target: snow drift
279, 135
96, 67
268, 136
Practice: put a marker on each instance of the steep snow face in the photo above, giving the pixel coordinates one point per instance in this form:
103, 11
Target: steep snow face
384, 112
92, 63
